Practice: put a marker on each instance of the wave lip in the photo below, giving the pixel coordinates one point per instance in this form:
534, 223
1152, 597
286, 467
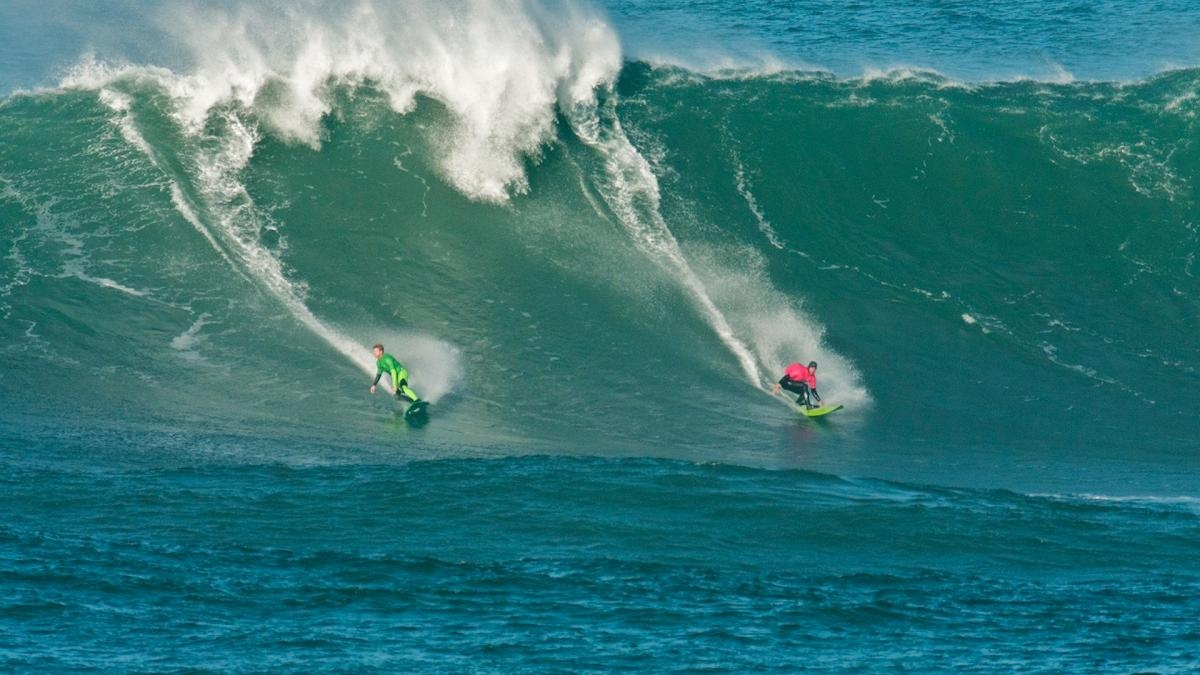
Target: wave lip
500, 69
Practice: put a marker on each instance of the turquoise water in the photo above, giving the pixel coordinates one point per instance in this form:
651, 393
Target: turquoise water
595, 236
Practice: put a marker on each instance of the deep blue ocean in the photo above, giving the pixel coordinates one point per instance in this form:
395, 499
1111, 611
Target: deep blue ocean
595, 234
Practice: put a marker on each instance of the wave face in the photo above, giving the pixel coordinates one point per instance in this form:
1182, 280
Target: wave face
980, 271
594, 267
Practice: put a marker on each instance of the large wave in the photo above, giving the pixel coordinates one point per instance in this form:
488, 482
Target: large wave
523, 217
502, 72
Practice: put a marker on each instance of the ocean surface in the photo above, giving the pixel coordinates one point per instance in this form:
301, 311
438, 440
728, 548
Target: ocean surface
595, 234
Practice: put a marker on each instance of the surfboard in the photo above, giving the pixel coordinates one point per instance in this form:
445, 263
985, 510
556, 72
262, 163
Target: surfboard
820, 412
417, 407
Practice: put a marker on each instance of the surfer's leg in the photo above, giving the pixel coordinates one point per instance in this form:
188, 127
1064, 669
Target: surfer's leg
798, 388
400, 385
406, 391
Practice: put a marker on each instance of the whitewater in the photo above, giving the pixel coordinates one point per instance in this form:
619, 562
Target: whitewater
595, 235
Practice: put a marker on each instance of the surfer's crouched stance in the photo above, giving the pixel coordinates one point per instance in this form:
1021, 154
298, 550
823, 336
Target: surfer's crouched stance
386, 363
800, 380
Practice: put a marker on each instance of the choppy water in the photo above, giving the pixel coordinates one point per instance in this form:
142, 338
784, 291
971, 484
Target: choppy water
595, 251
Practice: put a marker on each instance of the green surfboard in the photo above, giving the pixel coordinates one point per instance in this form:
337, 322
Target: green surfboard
417, 407
820, 412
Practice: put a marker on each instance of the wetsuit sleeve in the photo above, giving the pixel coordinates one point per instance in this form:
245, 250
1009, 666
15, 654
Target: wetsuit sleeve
378, 374
815, 394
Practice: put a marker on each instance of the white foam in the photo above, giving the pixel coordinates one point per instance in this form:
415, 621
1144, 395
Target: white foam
718, 64
238, 224
396, 161
109, 283
632, 194
187, 342
90, 72
497, 67
764, 225
1175, 104
1182, 502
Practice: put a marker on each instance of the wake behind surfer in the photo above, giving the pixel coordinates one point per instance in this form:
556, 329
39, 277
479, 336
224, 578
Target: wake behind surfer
386, 363
800, 380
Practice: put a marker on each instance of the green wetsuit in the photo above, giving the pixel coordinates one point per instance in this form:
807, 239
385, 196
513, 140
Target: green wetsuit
388, 364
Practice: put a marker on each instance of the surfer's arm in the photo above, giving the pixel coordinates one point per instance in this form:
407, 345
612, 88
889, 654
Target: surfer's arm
815, 394
378, 374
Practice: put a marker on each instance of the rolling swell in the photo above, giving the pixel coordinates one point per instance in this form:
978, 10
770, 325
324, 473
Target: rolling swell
596, 561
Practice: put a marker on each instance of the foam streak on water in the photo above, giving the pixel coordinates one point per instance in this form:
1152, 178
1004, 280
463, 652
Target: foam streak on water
633, 195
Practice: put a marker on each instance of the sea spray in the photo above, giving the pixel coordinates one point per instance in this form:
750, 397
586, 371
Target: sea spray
498, 68
632, 192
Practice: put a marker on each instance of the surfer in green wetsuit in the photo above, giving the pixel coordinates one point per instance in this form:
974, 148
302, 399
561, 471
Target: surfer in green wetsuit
386, 363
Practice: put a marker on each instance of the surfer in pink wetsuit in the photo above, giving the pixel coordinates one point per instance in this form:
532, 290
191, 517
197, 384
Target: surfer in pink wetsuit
800, 380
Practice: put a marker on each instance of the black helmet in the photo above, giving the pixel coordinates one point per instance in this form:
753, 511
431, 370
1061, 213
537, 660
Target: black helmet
812, 364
